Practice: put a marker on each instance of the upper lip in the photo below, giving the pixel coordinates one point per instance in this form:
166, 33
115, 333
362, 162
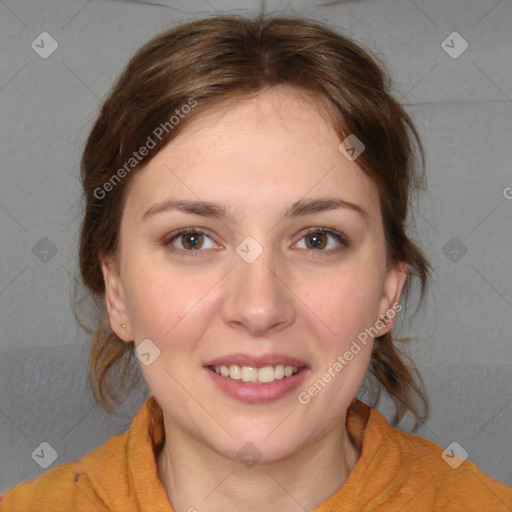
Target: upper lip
257, 361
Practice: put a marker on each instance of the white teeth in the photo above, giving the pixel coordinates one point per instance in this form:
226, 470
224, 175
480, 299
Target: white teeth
256, 375
234, 372
279, 371
266, 374
249, 374
288, 371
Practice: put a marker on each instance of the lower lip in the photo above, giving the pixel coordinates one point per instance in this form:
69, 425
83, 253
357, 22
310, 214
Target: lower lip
258, 393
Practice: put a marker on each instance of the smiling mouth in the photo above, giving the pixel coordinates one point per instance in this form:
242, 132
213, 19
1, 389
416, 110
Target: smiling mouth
255, 375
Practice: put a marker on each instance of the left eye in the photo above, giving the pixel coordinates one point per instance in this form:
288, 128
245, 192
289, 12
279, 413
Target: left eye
315, 238
192, 240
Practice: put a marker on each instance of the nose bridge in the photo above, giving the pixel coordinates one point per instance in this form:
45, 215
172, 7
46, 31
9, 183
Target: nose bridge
255, 266
257, 298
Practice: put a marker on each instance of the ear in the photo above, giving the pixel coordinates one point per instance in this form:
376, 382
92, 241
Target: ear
389, 305
115, 298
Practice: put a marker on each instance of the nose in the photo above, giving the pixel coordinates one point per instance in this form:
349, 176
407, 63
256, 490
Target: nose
257, 299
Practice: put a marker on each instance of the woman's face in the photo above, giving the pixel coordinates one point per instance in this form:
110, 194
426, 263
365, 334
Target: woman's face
262, 287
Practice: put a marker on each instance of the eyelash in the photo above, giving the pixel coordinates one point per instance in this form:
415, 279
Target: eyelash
340, 237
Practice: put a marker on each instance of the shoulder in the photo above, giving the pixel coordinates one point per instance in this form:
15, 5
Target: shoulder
453, 482
118, 476
57, 490
71, 486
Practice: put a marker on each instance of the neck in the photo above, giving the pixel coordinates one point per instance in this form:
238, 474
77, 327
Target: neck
196, 477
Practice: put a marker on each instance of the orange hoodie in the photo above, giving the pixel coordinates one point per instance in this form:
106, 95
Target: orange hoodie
397, 471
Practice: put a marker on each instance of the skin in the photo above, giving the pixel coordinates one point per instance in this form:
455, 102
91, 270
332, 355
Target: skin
258, 156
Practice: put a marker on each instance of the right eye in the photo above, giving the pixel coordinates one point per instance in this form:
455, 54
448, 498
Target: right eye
191, 241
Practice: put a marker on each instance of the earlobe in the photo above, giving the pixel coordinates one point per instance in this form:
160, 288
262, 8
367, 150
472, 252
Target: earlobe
394, 283
114, 299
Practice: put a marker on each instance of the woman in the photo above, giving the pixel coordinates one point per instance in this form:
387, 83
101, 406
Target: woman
246, 188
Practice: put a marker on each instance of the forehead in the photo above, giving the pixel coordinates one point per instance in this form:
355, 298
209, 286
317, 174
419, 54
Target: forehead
270, 149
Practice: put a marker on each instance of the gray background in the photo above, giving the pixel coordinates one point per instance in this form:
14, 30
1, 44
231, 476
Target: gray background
462, 107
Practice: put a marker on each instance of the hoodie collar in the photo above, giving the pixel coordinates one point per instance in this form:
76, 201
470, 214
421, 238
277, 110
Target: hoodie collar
132, 457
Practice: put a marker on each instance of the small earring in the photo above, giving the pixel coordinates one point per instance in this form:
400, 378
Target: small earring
123, 326
383, 318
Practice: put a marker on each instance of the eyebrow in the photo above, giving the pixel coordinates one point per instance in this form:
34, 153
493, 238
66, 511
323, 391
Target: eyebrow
220, 211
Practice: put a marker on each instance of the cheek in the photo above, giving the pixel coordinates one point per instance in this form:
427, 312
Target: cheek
347, 299
162, 300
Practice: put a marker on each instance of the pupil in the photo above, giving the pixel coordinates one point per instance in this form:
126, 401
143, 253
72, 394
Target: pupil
316, 236
194, 238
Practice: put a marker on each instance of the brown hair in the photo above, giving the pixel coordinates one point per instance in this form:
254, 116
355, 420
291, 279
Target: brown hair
220, 59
